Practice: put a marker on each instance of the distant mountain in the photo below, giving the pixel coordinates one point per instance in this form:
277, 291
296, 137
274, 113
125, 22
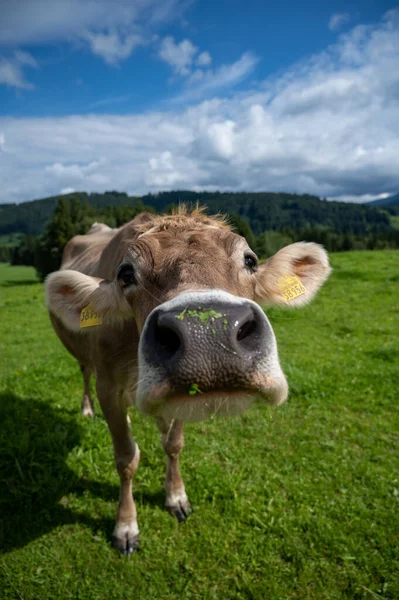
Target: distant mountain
278, 211
30, 217
390, 201
263, 210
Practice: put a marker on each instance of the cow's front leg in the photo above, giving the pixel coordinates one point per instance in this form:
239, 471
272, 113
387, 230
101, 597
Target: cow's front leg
127, 456
87, 400
172, 442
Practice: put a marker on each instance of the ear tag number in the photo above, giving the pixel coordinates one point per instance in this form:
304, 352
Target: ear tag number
89, 317
291, 287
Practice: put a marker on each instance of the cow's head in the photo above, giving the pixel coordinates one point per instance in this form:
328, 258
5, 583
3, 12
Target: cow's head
192, 286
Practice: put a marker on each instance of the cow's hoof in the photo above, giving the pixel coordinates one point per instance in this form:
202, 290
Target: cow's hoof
125, 546
179, 506
87, 412
87, 407
126, 537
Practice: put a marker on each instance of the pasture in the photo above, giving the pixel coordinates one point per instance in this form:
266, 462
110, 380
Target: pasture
299, 502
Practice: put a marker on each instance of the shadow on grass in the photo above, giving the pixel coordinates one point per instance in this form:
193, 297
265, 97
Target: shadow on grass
35, 441
9, 283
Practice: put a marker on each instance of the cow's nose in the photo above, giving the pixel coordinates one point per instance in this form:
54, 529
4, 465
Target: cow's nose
170, 337
195, 343
173, 333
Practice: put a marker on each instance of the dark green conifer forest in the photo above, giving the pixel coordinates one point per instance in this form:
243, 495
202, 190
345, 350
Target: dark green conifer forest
35, 233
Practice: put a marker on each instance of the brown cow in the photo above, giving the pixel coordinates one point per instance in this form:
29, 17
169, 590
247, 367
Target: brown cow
163, 311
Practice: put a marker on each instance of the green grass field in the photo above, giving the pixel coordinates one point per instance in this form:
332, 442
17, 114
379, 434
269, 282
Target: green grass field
297, 502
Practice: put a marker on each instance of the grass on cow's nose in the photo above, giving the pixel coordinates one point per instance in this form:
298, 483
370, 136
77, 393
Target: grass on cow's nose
194, 390
203, 314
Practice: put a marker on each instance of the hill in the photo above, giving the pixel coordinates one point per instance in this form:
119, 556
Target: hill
30, 217
279, 211
386, 202
263, 210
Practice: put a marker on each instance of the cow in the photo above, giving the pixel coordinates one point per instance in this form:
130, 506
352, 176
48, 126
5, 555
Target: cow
165, 312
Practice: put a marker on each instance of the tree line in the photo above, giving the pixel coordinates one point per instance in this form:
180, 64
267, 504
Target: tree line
75, 216
270, 211
70, 218
265, 211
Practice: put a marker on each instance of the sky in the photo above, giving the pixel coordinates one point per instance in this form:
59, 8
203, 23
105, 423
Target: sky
149, 95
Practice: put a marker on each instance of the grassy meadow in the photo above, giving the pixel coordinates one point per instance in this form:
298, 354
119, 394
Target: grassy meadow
297, 502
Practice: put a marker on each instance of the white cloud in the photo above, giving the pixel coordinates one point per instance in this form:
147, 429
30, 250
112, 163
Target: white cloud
78, 172
217, 143
11, 72
328, 126
179, 56
338, 20
183, 56
110, 100
204, 59
163, 173
213, 80
362, 198
113, 47
112, 29
201, 81
24, 58
67, 190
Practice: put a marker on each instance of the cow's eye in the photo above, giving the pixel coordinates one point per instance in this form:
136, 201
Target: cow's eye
126, 275
251, 261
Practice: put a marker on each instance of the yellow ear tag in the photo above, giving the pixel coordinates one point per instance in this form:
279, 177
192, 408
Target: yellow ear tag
89, 317
291, 287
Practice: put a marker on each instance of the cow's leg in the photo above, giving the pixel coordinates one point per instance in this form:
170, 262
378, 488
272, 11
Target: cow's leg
87, 401
172, 442
127, 456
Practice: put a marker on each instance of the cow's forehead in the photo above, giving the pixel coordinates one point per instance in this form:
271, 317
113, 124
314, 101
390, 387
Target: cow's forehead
172, 261
181, 220
179, 244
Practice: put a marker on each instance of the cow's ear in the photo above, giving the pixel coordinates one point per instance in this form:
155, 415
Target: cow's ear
70, 293
293, 276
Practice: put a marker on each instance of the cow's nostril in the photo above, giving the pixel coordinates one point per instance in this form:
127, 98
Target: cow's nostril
246, 330
168, 341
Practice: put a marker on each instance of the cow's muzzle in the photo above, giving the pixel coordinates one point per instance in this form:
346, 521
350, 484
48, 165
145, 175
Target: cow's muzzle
203, 346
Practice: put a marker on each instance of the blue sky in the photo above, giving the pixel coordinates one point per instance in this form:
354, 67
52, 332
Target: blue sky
148, 95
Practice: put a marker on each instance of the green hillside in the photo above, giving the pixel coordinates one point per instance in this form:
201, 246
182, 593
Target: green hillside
390, 201
278, 211
30, 217
263, 210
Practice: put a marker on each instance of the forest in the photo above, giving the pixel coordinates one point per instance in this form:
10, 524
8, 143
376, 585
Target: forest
264, 210
35, 233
